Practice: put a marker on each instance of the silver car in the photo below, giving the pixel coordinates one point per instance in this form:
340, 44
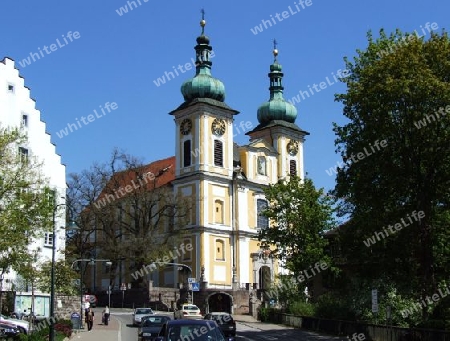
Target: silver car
21, 324
139, 313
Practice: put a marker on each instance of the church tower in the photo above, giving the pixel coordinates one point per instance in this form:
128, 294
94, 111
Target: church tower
204, 129
277, 126
204, 168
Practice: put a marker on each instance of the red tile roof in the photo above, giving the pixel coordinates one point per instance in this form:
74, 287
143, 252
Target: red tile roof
154, 175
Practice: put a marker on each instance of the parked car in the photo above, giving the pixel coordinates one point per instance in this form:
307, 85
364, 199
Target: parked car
225, 321
139, 313
150, 326
192, 330
187, 311
20, 324
9, 331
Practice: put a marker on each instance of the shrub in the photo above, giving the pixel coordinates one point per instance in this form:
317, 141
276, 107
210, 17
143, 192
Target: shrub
329, 305
301, 308
263, 314
35, 336
63, 328
66, 322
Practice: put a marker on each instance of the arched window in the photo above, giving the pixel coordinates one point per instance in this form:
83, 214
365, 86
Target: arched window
220, 249
218, 211
187, 153
263, 222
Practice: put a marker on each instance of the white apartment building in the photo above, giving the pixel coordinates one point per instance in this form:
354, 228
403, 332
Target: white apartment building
18, 108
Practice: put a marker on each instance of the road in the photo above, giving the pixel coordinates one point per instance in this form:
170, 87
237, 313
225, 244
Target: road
249, 331
270, 332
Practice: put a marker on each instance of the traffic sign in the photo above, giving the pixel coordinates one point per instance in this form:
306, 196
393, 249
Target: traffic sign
191, 280
195, 286
374, 301
123, 287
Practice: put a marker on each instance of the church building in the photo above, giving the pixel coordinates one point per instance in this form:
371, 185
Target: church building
226, 182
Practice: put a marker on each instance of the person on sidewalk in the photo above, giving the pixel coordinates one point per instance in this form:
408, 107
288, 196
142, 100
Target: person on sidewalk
89, 318
106, 315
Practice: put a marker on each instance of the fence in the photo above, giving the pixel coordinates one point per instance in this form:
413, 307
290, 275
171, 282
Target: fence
371, 331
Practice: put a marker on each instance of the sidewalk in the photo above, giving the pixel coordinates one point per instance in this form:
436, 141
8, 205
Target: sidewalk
99, 331
244, 318
251, 322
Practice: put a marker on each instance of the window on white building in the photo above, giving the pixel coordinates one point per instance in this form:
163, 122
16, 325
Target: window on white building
11, 88
48, 239
24, 120
23, 154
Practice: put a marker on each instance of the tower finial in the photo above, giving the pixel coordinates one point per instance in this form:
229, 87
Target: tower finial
275, 51
203, 21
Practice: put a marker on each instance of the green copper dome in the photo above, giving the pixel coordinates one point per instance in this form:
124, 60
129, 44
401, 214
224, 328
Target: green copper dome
203, 84
277, 108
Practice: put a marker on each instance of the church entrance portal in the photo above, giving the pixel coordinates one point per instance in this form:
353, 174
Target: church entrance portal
220, 302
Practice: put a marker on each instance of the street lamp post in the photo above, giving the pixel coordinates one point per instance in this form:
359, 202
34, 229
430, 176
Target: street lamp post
72, 226
1, 291
109, 296
52, 277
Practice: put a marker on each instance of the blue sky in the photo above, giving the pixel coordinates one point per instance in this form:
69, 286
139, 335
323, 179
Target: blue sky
117, 58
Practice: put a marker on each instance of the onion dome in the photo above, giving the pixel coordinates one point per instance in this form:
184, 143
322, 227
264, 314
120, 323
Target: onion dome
203, 85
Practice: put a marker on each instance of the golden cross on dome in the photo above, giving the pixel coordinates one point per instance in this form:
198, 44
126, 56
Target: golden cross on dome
275, 51
203, 21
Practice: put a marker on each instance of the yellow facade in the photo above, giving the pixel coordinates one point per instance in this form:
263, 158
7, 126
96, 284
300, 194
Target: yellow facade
225, 222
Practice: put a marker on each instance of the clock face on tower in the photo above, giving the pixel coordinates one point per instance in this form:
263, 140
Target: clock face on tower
218, 127
292, 147
185, 126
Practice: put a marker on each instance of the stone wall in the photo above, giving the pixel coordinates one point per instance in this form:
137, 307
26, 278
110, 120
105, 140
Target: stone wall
166, 296
66, 305
241, 302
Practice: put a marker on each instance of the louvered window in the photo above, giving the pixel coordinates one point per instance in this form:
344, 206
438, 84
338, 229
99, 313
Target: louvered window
218, 153
293, 167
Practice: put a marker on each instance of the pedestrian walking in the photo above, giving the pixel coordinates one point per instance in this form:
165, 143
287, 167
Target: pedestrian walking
106, 315
89, 318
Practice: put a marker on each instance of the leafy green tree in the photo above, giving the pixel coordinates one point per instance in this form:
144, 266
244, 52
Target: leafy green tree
65, 278
26, 202
299, 215
397, 156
